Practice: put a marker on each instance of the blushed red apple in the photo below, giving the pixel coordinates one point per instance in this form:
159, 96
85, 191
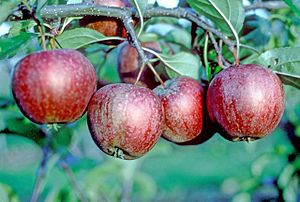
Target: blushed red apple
208, 129
53, 86
125, 120
247, 101
182, 99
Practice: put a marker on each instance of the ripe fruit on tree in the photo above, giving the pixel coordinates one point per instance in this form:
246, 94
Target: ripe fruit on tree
108, 26
129, 65
208, 129
182, 99
125, 120
247, 101
53, 86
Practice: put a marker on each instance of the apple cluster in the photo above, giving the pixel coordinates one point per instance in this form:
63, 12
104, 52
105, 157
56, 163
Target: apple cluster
242, 102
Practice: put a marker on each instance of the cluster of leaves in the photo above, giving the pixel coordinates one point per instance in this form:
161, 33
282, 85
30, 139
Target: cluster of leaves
73, 155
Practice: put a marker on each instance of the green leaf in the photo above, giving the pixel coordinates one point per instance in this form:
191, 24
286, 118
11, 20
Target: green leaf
285, 63
9, 46
184, 64
179, 36
289, 79
294, 5
105, 64
232, 9
20, 26
142, 4
148, 37
6, 9
41, 4
79, 37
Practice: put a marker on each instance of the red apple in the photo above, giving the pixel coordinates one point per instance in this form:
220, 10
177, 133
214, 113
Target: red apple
129, 65
182, 99
108, 26
53, 86
247, 101
125, 120
208, 129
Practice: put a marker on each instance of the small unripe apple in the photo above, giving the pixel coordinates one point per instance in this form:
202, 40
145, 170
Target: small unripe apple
53, 86
129, 65
182, 99
125, 120
108, 26
247, 101
208, 129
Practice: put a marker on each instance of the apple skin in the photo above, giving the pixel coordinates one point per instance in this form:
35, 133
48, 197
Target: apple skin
53, 86
182, 99
208, 129
125, 120
247, 101
129, 64
106, 25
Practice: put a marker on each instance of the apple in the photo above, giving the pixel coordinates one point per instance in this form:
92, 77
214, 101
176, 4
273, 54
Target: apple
125, 120
182, 99
208, 129
53, 86
129, 64
247, 101
108, 26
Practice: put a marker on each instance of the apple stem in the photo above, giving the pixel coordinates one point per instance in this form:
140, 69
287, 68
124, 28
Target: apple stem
133, 39
236, 57
140, 74
43, 40
221, 60
156, 74
205, 56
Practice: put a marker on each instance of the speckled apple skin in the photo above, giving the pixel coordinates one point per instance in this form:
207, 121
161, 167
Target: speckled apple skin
53, 86
182, 100
247, 101
208, 129
125, 117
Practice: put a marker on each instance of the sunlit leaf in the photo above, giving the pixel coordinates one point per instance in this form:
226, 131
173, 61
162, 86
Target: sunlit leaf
285, 62
294, 5
183, 64
142, 4
179, 36
6, 8
79, 37
289, 79
232, 9
9, 46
